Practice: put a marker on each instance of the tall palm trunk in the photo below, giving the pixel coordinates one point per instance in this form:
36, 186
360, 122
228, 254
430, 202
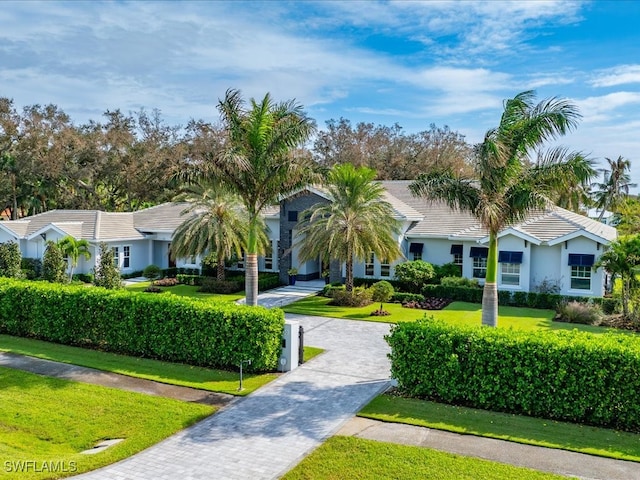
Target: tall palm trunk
220, 265
348, 281
490, 292
251, 262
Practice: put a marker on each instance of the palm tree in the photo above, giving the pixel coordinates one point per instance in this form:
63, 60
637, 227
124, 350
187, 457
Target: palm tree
507, 185
615, 187
356, 222
216, 221
74, 249
259, 163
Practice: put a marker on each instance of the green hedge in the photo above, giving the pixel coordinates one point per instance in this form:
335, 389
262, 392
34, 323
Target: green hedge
166, 327
400, 297
562, 375
516, 299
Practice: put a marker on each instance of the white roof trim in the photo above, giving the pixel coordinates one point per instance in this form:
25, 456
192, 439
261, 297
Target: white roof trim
516, 233
9, 231
578, 233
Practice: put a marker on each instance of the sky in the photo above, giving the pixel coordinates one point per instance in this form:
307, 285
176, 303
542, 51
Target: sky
408, 62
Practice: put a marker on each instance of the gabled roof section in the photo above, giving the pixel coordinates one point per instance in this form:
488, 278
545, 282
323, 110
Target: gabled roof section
165, 217
116, 226
16, 228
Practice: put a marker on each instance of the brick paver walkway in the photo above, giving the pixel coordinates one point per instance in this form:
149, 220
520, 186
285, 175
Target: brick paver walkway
264, 435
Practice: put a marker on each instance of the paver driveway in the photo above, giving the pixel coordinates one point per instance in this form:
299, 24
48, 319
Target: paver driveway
264, 435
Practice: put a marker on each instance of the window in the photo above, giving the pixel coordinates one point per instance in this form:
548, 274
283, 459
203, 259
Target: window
126, 256
292, 216
581, 270
580, 277
240, 263
385, 270
193, 260
368, 266
457, 259
268, 258
416, 250
479, 267
116, 257
510, 273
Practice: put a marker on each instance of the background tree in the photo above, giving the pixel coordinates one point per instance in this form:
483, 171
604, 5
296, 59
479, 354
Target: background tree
507, 185
628, 216
74, 249
107, 274
394, 154
356, 222
622, 260
215, 221
614, 188
10, 260
53, 265
259, 162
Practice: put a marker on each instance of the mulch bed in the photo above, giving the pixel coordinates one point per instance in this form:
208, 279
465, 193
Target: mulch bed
429, 304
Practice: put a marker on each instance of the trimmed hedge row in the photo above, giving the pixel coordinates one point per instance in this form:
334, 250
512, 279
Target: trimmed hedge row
166, 327
516, 299
266, 281
562, 375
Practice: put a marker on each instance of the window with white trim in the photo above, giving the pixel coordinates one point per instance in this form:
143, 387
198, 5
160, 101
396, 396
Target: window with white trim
240, 263
126, 256
479, 267
268, 258
580, 277
116, 256
368, 266
510, 274
417, 256
385, 270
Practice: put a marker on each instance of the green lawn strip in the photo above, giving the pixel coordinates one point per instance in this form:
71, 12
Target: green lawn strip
310, 352
51, 420
349, 457
213, 380
188, 291
516, 428
457, 313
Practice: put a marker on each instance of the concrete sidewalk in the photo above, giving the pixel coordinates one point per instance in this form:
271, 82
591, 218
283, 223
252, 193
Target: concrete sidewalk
538, 458
279, 297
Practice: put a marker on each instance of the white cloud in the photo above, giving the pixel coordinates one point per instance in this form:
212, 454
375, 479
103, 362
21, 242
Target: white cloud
603, 108
620, 75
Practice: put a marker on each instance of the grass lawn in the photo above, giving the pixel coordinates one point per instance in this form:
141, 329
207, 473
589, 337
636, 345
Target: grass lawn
209, 379
51, 420
188, 291
349, 457
504, 426
458, 313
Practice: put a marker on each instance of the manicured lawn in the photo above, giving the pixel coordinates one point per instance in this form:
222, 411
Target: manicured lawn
209, 379
349, 457
50, 420
310, 352
458, 313
521, 429
188, 291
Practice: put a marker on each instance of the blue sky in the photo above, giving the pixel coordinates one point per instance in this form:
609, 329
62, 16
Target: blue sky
415, 63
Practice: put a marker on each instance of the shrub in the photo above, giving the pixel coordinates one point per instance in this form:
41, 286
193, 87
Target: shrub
107, 274
83, 277
10, 260
166, 282
447, 270
268, 280
576, 312
358, 297
562, 375
153, 289
414, 275
31, 268
407, 297
459, 282
151, 272
166, 327
329, 290
381, 291
53, 264
212, 285
461, 294
194, 280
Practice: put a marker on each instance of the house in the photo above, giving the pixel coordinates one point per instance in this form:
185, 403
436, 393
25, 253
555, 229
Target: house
553, 247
